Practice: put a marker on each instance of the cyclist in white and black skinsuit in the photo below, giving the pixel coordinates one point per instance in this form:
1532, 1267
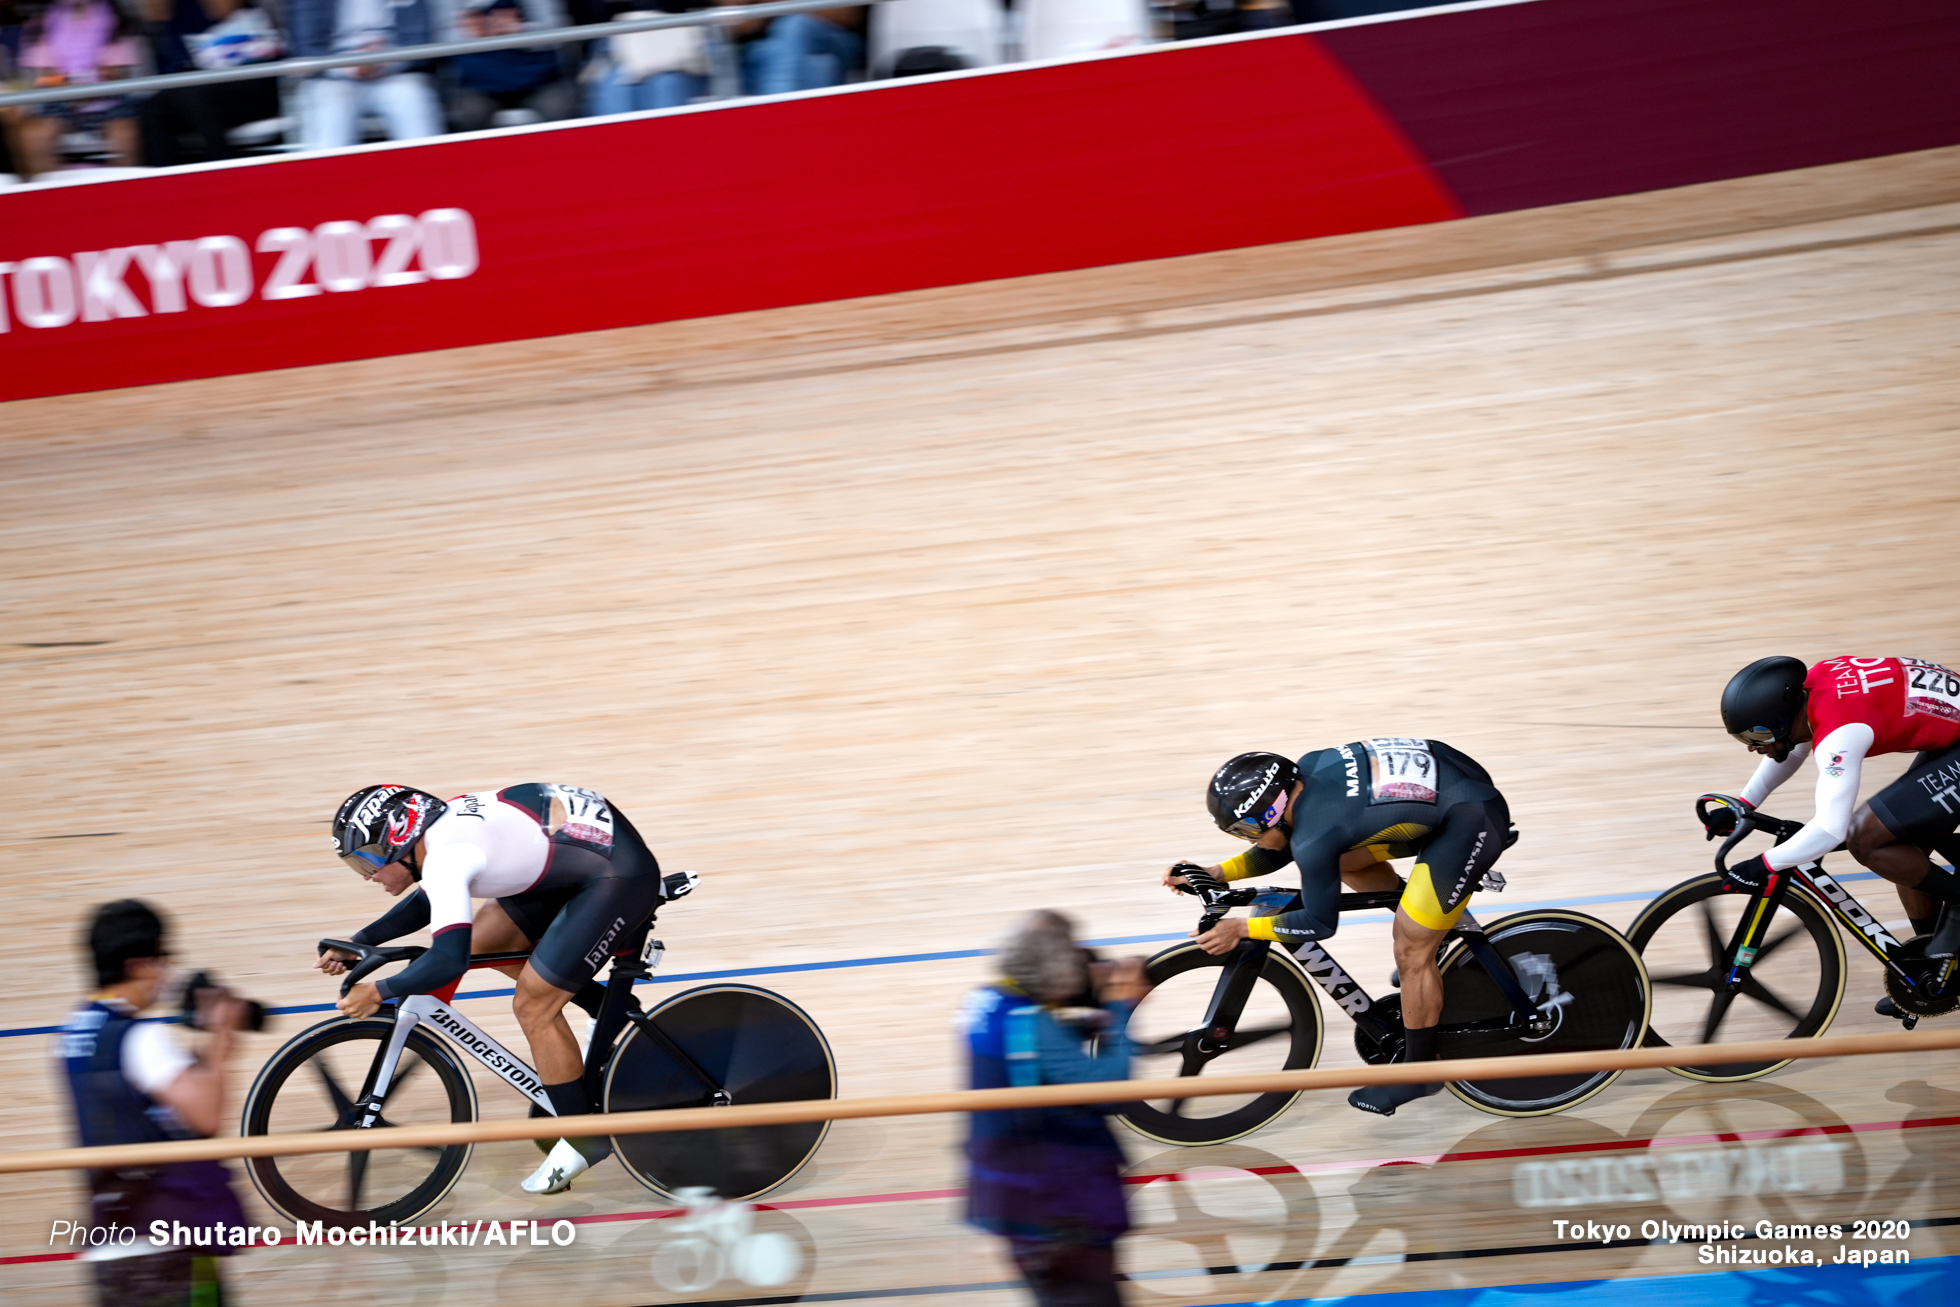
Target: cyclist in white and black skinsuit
567, 876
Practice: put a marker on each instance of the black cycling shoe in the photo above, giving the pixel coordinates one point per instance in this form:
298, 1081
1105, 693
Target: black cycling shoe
1945, 942
1382, 1100
1885, 1007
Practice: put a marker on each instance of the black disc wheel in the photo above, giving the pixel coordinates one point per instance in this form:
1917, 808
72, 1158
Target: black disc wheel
1279, 1029
721, 1044
315, 1082
1791, 990
1579, 971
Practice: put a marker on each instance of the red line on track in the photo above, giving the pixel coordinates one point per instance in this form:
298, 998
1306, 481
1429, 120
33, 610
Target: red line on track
1409, 1159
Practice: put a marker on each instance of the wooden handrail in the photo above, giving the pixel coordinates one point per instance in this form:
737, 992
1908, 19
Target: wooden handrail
975, 1100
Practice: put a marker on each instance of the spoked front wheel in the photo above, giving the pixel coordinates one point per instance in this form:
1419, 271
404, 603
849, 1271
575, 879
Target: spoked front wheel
731, 1044
1278, 1030
1792, 989
1580, 970
314, 1083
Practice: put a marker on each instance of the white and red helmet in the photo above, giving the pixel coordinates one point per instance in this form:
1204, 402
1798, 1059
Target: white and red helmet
382, 824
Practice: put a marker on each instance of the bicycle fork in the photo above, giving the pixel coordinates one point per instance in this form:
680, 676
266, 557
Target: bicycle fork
381, 1072
1213, 1035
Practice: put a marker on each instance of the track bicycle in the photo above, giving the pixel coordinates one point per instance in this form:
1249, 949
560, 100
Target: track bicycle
1544, 981
713, 1046
1782, 949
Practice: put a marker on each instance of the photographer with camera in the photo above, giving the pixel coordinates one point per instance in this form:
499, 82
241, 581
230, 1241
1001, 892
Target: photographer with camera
1050, 1180
134, 1083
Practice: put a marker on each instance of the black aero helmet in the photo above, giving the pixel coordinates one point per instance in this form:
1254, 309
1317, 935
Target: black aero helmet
1247, 796
1762, 702
380, 824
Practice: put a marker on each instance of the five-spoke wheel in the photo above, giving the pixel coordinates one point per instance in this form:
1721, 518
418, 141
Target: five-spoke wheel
1791, 990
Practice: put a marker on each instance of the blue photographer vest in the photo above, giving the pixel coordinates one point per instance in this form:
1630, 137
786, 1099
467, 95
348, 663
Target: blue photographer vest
111, 1110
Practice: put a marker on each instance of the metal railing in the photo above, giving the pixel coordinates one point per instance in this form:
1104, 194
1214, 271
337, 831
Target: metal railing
305, 67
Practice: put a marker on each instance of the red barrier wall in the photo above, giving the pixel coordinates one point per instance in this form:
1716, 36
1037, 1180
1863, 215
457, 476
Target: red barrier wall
1176, 151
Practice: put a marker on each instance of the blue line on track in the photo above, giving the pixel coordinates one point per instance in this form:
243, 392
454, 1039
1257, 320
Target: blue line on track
1933, 1282
895, 959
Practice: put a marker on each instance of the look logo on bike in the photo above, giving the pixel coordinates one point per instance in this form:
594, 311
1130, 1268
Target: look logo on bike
1339, 814
1840, 712
567, 877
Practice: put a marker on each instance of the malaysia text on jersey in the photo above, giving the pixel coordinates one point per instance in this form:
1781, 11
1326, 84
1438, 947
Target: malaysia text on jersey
1401, 797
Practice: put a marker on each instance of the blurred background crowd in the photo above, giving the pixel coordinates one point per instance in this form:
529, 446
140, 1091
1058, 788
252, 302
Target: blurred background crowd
73, 42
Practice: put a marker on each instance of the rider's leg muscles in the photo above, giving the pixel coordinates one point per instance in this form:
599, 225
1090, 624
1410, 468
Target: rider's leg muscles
1363, 873
515, 924
540, 1008
1905, 865
1891, 832
1452, 866
1422, 1008
578, 941
1415, 958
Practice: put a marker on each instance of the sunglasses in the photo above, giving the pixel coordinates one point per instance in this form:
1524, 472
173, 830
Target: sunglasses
1247, 828
365, 861
1755, 735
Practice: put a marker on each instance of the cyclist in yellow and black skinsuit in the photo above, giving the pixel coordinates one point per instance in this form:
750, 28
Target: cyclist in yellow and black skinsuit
1337, 814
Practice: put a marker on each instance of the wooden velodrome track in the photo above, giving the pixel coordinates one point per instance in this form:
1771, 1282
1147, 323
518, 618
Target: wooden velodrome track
896, 618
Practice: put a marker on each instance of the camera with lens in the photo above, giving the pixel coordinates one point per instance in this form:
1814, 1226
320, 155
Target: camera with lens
254, 1015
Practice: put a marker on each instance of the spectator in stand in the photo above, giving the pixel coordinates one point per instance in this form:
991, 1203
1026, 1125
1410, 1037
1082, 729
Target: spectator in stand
9, 42
649, 70
167, 23
207, 34
509, 79
800, 52
331, 103
78, 42
1050, 1180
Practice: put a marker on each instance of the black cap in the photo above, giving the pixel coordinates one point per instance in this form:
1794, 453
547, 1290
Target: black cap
123, 930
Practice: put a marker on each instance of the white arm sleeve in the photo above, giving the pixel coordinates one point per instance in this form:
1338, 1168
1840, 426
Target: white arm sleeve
446, 878
1771, 773
152, 1059
1840, 758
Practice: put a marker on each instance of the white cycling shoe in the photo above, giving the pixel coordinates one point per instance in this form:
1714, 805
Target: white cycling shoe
561, 1166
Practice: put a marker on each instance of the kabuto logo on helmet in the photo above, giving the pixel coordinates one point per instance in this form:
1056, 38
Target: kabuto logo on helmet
1248, 785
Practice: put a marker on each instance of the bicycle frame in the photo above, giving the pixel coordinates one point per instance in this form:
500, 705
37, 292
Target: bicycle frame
1242, 968
434, 1011
1852, 917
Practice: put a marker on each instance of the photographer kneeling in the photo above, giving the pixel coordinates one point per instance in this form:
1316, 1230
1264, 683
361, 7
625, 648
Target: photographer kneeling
1050, 1180
135, 1083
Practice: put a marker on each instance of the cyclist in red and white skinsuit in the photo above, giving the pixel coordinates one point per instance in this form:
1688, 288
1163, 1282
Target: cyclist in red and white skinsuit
1839, 713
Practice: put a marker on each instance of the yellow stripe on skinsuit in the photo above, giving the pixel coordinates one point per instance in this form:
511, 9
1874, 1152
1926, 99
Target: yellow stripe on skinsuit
1420, 902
